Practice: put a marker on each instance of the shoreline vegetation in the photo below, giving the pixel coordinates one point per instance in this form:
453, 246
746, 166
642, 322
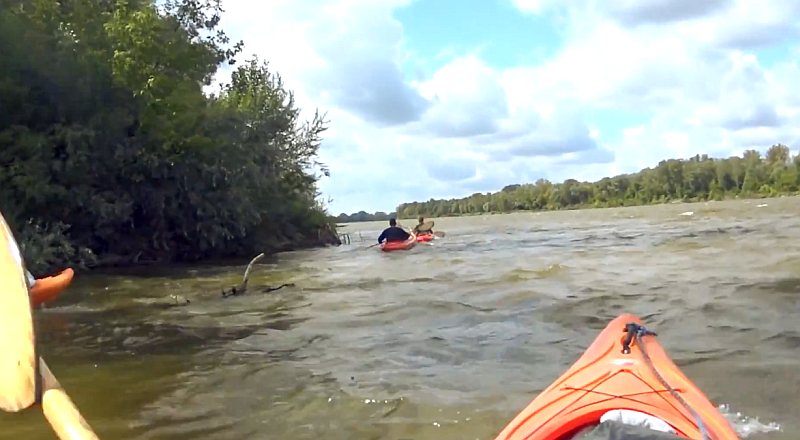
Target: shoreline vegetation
112, 153
697, 179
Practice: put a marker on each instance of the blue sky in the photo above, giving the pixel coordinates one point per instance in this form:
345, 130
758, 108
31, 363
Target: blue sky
437, 31
444, 98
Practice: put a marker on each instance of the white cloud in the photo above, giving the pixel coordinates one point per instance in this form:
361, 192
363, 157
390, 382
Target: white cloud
468, 100
691, 66
695, 71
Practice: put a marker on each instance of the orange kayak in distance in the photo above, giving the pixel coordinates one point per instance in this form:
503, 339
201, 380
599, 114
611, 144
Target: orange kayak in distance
48, 289
424, 238
624, 371
399, 245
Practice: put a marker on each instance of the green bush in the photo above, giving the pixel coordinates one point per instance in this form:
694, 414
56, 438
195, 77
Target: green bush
111, 152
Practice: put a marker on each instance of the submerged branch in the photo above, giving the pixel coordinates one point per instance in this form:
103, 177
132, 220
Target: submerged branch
242, 289
246, 277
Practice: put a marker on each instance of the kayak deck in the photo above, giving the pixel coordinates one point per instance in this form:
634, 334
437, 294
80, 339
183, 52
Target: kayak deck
48, 289
614, 374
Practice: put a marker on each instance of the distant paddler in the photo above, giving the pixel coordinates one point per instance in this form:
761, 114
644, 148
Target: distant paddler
424, 228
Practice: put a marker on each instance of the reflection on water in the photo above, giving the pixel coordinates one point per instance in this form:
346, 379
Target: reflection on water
446, 341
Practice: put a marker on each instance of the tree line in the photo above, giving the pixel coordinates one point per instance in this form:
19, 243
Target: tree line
362, 216
699, 178
111, 152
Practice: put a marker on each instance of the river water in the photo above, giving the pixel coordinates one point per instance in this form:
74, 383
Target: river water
446, 341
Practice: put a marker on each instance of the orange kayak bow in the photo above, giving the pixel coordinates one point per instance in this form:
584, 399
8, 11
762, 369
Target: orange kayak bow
625, 369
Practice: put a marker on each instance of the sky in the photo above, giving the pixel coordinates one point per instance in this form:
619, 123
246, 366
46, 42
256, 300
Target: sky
445, 98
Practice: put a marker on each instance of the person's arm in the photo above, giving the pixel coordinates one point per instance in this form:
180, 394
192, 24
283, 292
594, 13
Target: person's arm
382, 237
407, 235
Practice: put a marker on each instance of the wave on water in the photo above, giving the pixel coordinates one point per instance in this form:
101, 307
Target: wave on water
448, 341
746, 426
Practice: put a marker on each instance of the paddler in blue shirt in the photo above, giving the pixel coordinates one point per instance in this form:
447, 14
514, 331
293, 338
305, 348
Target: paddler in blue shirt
393, 233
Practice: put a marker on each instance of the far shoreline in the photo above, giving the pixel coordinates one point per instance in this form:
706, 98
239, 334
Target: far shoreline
587, 208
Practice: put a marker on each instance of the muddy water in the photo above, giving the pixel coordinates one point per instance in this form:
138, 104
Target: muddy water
446, 341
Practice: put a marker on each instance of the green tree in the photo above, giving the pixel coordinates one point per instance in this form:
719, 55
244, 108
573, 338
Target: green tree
111, 152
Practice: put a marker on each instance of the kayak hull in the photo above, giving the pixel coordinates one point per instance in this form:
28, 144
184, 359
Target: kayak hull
399, 245
48, 289
424, 238
604, 379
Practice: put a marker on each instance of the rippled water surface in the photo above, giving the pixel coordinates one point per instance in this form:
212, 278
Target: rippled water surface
446, 341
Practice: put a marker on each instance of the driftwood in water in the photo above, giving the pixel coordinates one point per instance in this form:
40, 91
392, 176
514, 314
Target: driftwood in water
266, 289
242, 289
